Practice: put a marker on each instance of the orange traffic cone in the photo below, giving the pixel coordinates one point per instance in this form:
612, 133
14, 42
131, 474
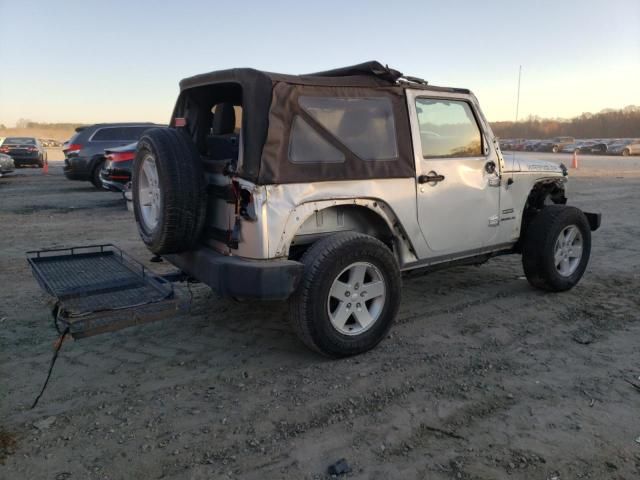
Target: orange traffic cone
45, 169
574, 162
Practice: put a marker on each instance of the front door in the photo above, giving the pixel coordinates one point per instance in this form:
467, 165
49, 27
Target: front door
457, 175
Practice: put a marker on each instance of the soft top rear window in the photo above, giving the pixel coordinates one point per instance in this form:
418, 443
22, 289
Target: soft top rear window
365, 125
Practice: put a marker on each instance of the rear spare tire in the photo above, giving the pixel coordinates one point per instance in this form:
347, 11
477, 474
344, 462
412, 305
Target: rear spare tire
169, 200
556, 248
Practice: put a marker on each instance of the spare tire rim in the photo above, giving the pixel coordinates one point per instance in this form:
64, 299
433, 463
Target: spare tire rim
356, 298
568, 250
149, 192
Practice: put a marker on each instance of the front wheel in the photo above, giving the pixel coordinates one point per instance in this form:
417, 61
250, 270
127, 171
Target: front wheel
349, 294
556, 248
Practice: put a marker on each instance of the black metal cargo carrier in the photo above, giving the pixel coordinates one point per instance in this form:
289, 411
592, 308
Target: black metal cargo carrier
100, 288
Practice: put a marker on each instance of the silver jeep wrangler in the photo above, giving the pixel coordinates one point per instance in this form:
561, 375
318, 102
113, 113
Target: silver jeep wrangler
323, 188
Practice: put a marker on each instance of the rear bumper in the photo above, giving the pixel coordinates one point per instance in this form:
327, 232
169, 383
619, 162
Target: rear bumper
240, 277
76, 168
115, 179
108, 183
20, 160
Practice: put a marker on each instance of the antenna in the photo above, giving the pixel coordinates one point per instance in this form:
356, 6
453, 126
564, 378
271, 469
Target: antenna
513, 155
518, 97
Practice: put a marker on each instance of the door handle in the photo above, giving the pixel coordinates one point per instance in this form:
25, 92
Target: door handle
431, 177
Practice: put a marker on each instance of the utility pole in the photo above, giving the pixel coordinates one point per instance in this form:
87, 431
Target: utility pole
518, 96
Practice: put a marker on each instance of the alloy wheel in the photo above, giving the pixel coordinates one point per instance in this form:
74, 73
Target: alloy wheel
149, 192
356, 298
568, 250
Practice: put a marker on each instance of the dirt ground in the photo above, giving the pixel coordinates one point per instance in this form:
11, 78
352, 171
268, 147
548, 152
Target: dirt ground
481, 377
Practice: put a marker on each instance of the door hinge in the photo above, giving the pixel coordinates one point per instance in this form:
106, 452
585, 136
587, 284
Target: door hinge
494, 220
494, 182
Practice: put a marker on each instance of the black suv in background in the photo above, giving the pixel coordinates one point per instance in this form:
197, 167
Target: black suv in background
84, 152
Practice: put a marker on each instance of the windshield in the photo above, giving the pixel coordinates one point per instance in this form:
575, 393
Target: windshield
20, 141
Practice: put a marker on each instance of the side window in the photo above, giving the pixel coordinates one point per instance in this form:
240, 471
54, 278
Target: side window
448, 129
307, 146
365, 125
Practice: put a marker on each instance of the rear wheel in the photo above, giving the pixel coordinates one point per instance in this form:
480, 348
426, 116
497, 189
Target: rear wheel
349, 295
95, 175
556, 248
626, 152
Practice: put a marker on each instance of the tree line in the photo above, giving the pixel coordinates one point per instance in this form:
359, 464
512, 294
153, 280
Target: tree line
609, 123
26, 123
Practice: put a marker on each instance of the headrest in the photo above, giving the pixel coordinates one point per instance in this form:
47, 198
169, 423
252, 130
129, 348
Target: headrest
224, 119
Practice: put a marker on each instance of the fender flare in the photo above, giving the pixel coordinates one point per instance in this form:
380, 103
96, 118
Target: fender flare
301, 213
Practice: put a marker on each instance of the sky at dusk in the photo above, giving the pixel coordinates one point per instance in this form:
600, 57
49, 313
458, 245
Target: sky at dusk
94, 61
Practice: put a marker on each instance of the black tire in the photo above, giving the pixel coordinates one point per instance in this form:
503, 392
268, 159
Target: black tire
538, 253
554, 149
182, 191
323, 262
95, 174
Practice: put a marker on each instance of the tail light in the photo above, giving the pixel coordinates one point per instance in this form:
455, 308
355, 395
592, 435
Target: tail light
73, 148
4, 149
33, 149
116, 157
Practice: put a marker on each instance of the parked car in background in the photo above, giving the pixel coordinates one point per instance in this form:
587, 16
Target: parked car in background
579, 146
6, 164
625, 148
24, 151
589, 146
599, 146
116, 172
531, 145
504, 144
519, 145
555, 144
84, 152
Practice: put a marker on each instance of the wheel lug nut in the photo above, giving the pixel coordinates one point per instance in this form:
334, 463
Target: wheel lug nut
347, 294
358, 306
348, 305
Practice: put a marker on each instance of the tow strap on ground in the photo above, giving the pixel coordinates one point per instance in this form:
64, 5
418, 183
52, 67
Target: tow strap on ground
57, 347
